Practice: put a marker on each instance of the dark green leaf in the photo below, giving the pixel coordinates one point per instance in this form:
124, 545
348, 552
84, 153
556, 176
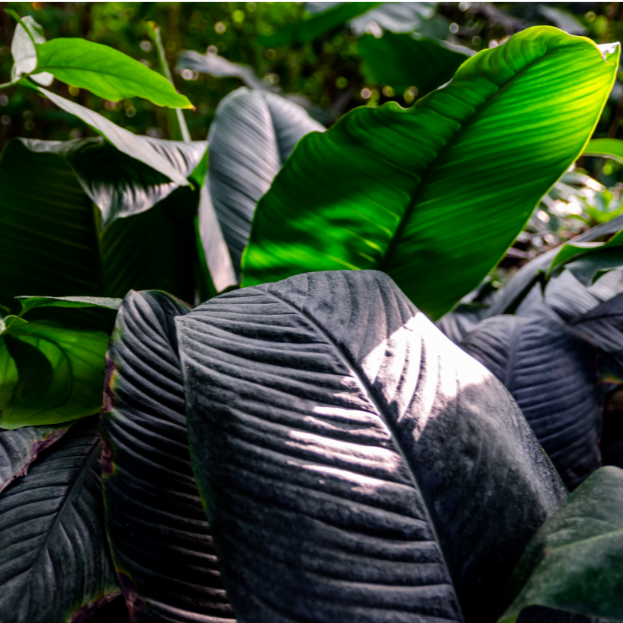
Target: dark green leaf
453, 154
551, 373
355, 464
8, 371
431, 62
34, 302
160, 538
108, 73
251, 137
60, 374
315, 24
54, 561
575, 561
587, 269
19, 448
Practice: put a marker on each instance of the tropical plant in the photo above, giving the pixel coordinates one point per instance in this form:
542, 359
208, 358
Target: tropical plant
310, 447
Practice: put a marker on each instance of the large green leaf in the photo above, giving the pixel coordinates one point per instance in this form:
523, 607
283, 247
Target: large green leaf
355, 464
60, 374
430, 64
19, 448
106, 72
160, 539
54, 560
551, 372
575, 561
252, 135
606, 148
398, 190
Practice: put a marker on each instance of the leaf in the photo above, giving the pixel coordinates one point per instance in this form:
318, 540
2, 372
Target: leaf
380, 187
8, 371
60, 374
160, 539
575, 561
551, 372
138, 147
252, 135
460, 321
19, 448
562, 19
431, 62
50, 234
23, 50
587, 269
219, 67
397, 17
315, 24
108, 73
355, 464
54, 561
606, 148
35, 302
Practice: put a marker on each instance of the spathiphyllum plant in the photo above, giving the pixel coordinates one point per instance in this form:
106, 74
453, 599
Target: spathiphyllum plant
308, 446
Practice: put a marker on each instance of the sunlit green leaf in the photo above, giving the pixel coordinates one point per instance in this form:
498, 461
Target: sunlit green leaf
606, 148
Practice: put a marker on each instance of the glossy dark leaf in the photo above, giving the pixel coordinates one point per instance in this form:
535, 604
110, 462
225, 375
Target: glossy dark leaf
54, 560
356, 465
590, 268
575, 561
35, 302
160, 539
252, 135
431, 63
397, 17
460, 321
19, 448
552, 374
456, 152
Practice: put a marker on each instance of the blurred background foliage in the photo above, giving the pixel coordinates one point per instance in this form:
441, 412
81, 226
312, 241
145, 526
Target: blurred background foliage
325, 74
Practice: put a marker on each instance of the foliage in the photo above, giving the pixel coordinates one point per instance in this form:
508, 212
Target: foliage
304, 444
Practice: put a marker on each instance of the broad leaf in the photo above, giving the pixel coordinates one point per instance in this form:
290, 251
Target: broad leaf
315, 24
575, 561
108, 73
431, 62
35, 302
447, 158
19, 448
398, 17
159, 535
24, 52
219, 67
355, 464
461, 320
562, 19
54, 562
60, 374
606, 148
252, 135
551, 373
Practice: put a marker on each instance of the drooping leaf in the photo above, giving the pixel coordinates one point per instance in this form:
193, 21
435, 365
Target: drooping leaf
575, 561
552, 374
160, 539
60, 374
355, 464
431, 62
34, 302
19, 448
50, 234
397, 17
108, 73
315, 24
54, 561
24, 53
606, 148
220, 67
587, 269
562, 19
452, 155
252, 135
460, 321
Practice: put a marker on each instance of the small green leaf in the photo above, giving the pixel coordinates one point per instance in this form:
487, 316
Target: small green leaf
8, 374
106, 72
27, 34
61, 374
575, 561
606, 148
33, 302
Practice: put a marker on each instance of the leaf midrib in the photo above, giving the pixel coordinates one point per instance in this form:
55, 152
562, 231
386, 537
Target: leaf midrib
365, 386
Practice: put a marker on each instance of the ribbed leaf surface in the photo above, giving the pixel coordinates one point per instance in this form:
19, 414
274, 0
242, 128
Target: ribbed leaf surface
379, 189
159, 535
54, 560
19, 448
252, 135
552, 374
355, 464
